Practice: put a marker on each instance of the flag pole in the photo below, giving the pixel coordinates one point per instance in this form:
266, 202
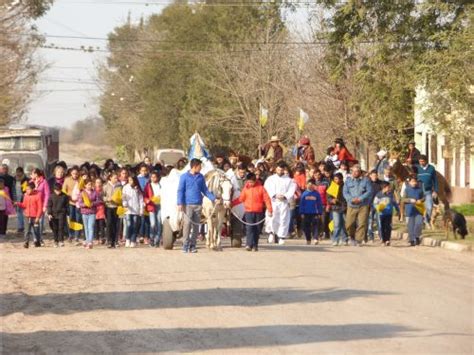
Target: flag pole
259, 130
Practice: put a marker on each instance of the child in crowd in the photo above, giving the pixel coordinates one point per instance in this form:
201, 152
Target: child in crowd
33, 210
143, 179
152, 198
255, 198
413, 197
338, 208
332, 158
112, 198
6, 208
88, 201
21, 181
132, 198
311, 208
100, 213
384, 203
58, 205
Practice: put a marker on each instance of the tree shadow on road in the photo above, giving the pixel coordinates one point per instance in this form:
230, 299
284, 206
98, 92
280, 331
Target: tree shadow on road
193, 339
69, 303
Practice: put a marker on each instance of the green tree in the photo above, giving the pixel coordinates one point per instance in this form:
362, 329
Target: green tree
388, 49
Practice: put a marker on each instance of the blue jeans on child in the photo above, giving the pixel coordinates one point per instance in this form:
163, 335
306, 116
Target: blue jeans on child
339, 233
374, 217
89, 226
155, 226
20, 218
133, 225
32, 228
415, 226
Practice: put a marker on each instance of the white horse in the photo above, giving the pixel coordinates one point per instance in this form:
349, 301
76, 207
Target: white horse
215, 214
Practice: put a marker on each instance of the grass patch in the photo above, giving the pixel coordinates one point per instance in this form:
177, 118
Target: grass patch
466, 209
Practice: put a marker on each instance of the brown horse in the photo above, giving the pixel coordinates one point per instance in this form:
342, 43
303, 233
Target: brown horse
403, 172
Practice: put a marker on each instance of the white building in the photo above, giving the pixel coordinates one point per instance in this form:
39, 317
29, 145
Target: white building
455, 160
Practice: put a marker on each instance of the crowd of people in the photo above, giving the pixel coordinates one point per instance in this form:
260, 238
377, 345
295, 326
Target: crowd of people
121, 205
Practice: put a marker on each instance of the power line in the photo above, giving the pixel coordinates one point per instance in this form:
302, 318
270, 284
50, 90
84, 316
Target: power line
198, 4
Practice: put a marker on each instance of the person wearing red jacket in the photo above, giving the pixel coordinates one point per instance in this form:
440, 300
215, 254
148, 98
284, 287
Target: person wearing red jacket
343, 153
255, 198
33, 210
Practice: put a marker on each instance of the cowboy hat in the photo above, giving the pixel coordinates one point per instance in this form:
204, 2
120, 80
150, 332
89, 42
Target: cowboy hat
274, 139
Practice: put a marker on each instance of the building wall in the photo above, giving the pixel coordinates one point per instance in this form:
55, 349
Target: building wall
455, 160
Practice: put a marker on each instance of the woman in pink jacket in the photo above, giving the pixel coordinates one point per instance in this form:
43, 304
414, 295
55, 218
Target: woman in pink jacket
42, 187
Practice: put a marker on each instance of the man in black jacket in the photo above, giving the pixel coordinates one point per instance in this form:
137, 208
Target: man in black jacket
57, 212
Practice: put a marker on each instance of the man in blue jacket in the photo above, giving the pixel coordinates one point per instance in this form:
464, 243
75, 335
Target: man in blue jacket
357, 192
426, 174
192, 187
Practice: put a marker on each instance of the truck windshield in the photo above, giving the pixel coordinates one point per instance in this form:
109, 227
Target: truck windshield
20, 143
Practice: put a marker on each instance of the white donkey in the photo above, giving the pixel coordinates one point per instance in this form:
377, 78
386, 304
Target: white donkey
215, 214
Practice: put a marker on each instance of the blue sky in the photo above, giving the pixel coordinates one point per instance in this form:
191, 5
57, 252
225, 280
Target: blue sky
66, 91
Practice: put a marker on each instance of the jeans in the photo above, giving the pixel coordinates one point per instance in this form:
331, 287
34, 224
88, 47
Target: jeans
428, 205
191, 230
415, 225
253, 232
57, 226
310, 222
155, 226
20, 218
74, 217
339, 233
133, 227
89, 225
386, 227
32, 228
374, 217
113, 224
145, 227
295, 220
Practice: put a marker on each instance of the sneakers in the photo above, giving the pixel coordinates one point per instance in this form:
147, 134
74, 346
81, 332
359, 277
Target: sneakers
26, 245
127, 243
418, 241
387, 243
56, 245
133, 245
281, 241
412, 243
185, 250
271, 238
37, 245
61, 244
335, 243
193, 250
316, 241
248, 248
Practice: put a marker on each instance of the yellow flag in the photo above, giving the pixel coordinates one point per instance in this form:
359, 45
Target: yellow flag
331, 226
121, 211
75, 226
333, 189
24, 186
380, 207
85, 198
263, 116
117, 197
4, 195
302, 119
421, 208
156, 200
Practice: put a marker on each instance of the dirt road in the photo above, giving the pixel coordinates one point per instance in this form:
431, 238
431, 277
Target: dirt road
290, 299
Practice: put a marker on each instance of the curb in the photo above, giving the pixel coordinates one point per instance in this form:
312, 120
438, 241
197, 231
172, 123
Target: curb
431, 242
